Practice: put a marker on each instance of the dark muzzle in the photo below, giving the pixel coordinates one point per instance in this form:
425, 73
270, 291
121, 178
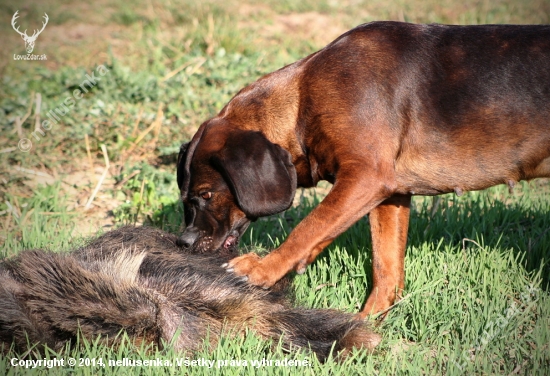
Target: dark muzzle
188, 238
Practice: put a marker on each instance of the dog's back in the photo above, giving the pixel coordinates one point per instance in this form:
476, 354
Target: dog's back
453, 108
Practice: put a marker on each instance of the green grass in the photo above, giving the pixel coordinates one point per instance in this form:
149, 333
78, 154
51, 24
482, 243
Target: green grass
41, 222
477, 269
476, 306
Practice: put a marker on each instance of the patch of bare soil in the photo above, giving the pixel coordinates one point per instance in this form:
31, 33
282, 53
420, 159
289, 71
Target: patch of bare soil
78, 187
319, 29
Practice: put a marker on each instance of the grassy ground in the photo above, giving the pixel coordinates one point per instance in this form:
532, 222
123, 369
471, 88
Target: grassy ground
477, 289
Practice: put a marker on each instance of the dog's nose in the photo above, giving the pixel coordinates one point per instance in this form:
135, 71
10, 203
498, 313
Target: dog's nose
188, 238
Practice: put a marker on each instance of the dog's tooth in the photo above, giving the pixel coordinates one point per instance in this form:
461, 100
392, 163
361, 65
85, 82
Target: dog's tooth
244, 279
229, 270
458, 191
225, 265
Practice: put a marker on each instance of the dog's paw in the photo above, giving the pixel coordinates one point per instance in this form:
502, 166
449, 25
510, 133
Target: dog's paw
253, 269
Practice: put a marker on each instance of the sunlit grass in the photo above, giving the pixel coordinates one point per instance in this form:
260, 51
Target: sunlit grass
473, 303
477, 267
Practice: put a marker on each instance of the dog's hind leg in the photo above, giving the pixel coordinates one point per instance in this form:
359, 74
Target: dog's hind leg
389, 224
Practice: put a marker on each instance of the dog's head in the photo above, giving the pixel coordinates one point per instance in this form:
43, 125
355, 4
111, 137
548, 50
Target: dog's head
229, 177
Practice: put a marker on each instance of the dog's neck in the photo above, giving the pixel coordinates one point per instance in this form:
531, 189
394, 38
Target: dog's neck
270, 106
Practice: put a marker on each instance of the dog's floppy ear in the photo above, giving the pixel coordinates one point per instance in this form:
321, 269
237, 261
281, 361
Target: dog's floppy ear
184, 161
260, 173
181, 173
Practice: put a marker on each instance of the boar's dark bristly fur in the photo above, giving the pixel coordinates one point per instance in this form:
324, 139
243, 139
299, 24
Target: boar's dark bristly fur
138, 280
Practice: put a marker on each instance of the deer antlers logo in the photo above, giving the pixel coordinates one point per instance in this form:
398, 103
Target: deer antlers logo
29, 40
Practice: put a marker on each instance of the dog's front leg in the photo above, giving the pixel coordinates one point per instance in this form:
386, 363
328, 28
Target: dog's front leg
389, 224
352, 196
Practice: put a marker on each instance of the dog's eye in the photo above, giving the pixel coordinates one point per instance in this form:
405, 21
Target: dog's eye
206, 195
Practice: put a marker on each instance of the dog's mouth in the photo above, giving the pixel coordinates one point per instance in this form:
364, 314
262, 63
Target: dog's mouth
232, 239
230, 242
223, 246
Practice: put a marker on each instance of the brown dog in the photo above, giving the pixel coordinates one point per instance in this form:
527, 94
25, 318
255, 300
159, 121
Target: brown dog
386, 111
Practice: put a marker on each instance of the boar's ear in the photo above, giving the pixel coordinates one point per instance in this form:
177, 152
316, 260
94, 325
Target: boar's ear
260, 174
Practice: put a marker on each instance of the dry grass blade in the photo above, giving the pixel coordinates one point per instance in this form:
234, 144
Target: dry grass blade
155, 125
101, 179
90, 161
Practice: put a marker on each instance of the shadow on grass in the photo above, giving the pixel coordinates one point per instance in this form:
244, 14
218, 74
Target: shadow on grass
168, 218
522, 227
